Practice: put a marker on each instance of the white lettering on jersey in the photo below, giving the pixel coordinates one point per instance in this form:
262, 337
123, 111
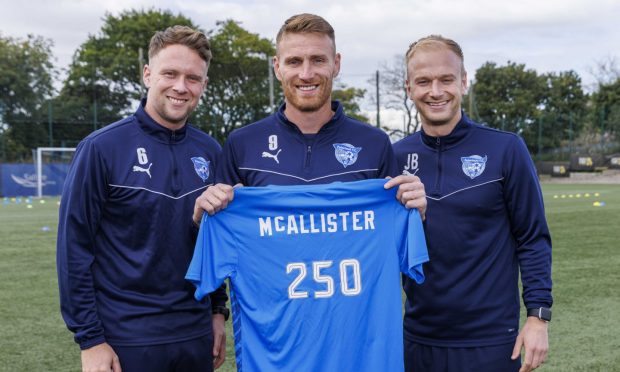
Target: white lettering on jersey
142, 158
350, 278
273, 142
411, 164
315, 224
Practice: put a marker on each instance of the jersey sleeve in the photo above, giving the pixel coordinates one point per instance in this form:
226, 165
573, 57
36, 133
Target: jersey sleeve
524, 201
412, 243
215, 255
81, 206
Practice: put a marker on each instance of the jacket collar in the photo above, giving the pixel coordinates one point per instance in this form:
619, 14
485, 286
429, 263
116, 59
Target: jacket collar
156, 130
460, 131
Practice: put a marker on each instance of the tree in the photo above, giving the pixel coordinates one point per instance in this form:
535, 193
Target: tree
238, 89
563, 108
605, 108
349, 98
393, 95
508, 98
104, 78
606, 71
25, 85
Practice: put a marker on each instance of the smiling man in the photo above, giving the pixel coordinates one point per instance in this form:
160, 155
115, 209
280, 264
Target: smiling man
124, 237
486, 223
309, 140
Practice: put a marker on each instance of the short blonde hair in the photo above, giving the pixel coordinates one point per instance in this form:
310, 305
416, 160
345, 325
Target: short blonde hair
434, 41
182, 35
306, 23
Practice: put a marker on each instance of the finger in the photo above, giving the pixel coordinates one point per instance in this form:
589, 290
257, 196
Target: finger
516, 351
216, 347
393, 182
198, 212
214, 201
527, 361
221, 358
116, 364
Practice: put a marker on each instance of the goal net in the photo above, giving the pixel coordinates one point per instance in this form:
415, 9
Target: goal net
52, 166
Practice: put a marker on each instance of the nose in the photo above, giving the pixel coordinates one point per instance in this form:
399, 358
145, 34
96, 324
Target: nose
306, 72
436, 88
179, 85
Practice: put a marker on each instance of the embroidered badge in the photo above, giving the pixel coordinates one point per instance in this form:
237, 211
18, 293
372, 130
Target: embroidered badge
473, 165
201, 166
346, 153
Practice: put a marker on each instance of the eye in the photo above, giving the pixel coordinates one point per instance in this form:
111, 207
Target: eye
293, 62
194, 79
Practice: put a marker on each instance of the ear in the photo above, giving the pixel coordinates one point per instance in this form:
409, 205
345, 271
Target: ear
408, 88
276, 67
146, 76
464, 81
336, 65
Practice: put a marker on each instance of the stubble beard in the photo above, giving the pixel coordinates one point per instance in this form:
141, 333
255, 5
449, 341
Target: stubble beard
309, 105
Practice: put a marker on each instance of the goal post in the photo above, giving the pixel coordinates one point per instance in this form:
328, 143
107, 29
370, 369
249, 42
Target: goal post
39, 164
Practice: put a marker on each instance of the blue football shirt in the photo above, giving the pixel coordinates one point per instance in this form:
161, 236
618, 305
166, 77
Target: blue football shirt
315, 274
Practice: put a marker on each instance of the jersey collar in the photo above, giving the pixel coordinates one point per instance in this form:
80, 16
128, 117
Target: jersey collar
156, 130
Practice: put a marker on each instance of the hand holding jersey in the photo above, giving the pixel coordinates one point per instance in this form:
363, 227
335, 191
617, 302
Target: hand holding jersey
213, 199
479, 233
410, 192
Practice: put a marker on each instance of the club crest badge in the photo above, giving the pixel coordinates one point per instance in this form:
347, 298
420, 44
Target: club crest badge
201, 166
473, 165
346, 153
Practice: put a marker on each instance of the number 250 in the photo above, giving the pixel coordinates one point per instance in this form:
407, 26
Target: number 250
317, 266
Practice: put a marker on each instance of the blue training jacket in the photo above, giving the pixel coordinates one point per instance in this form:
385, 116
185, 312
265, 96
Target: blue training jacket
125, 235
273, 151
485, 221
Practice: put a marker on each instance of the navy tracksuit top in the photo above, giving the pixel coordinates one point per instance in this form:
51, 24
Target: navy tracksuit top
273, 151
125, 235
485, 221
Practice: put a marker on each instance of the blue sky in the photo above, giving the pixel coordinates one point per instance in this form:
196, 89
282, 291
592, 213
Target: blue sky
545, 35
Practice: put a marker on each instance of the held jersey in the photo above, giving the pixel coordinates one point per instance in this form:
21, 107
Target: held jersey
485, 222
273, 151
315, 274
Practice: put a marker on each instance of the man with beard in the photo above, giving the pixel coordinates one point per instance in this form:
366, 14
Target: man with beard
309, 140
486, 223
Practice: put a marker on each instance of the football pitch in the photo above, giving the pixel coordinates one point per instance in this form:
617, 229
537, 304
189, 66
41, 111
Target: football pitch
584, 222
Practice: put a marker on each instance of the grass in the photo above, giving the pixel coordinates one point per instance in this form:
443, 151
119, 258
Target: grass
586, 273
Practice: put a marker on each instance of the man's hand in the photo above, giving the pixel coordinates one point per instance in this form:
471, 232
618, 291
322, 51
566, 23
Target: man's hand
100, 358
410, 192
212, 200
219, 340
533, 337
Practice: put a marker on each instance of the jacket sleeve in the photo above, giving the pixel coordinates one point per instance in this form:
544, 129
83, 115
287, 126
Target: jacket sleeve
84, 192
227, 171
388, 166
523, 198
